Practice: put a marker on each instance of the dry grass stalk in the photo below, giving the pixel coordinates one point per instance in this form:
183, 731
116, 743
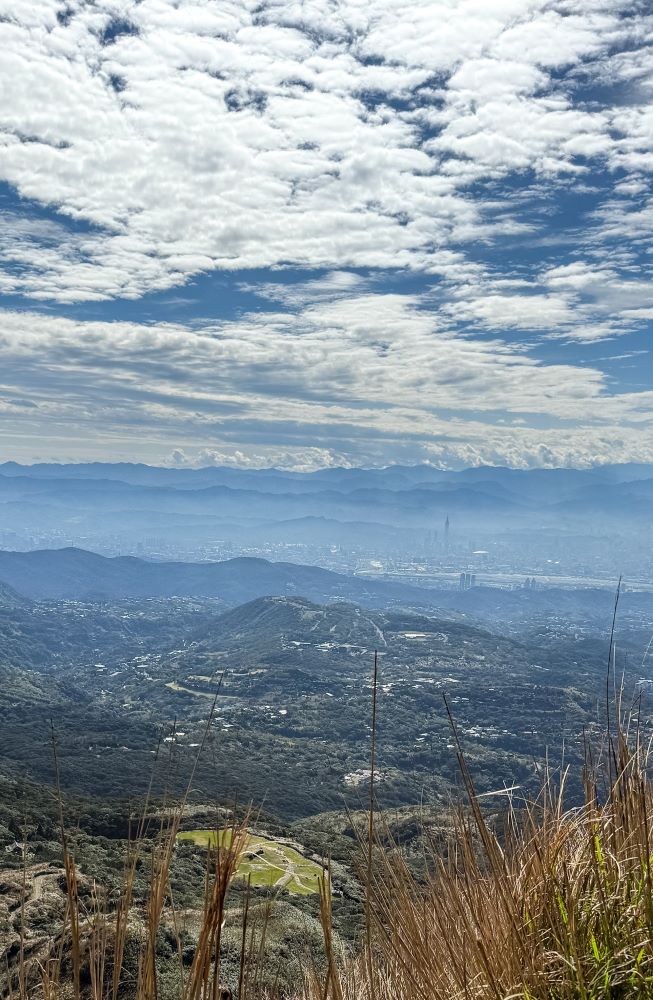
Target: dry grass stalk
561, 908
204, 976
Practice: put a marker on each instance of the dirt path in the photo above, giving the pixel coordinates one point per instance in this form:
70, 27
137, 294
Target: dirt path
378, 631
38, 881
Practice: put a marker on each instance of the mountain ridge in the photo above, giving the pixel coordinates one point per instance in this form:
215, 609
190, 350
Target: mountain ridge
76, 574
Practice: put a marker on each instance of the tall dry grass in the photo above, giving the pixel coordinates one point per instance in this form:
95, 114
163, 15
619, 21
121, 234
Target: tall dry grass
559, 907
87, 958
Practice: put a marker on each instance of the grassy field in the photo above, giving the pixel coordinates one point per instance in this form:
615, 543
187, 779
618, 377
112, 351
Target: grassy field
269, 863
198, 694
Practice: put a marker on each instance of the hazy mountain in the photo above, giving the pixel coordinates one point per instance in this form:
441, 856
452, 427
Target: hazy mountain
79, 575
395, 478
338, 518
629, 498
228, 501
402, 497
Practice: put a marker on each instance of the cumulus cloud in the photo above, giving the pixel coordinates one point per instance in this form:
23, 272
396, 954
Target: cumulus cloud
184, 137
297, 460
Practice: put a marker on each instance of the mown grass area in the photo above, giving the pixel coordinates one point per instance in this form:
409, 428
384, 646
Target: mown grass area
173, 686
269, 863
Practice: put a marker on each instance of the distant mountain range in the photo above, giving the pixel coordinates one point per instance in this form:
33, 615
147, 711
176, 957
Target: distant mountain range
388, 510
346, 479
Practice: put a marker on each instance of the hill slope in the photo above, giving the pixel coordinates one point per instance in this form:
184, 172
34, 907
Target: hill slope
75, 574
9, 598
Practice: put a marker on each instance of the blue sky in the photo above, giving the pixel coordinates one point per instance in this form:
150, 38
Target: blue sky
326, 232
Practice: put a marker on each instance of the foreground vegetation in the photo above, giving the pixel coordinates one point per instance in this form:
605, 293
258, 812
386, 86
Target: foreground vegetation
559, 906
535, 903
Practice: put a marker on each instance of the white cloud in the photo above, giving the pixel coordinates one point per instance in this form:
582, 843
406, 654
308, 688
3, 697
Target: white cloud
207, 136
298, 459
334, 381
170, 138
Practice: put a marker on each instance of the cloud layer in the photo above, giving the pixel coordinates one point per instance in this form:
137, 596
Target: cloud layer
189, 136
372, 378
498, 153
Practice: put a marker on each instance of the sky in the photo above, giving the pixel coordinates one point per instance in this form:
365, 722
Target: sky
308, 233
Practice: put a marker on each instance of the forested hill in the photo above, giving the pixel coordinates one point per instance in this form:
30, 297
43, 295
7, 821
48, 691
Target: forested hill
75, 574
78, 575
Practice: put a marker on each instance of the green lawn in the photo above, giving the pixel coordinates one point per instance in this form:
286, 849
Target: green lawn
186, 690
268, 862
